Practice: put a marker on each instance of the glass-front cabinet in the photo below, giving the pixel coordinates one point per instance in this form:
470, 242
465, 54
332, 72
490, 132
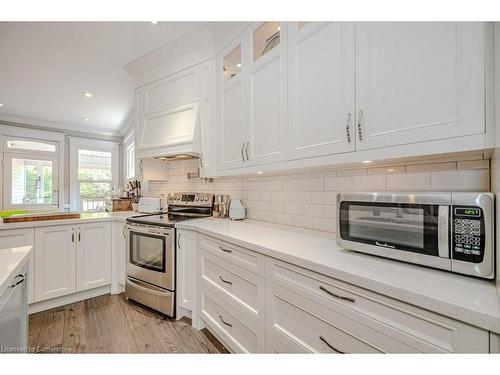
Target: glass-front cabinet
251, 93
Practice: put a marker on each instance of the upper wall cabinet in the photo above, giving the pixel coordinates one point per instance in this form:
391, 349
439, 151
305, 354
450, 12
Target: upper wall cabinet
251, 92
230, 106
266, 78
418, 82
321, 88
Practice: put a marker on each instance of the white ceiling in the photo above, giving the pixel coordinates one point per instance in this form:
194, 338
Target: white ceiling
45, 67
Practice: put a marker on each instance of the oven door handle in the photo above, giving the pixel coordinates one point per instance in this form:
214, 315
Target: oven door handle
148, 290
443, 232
140, 229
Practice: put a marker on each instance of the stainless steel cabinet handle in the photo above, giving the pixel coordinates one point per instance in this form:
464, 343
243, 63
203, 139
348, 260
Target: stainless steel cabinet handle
179, 241
140, 165
242, 148
348, 127
360, 123
350, 299
226, 323
16, 283
225, 281
79, 235
73, 235
246, 151
123, 232
330, 345
226, 250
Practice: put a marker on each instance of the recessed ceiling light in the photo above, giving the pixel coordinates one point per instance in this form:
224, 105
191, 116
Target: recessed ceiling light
366, 161
154, 22
87, 94
85, 119
1, 105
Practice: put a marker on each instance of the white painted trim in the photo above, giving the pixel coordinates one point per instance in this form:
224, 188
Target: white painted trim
44, 135
58, 126
40, 135
395, 154
75, 144
70, 298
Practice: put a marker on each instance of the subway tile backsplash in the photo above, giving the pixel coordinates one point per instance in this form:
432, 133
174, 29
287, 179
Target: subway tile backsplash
307, 200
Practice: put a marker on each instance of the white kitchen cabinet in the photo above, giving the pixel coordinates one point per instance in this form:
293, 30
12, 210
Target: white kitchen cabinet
118, 258
186, 270
265, 76
231, 106
71, 258
22, 237
93, 255
208, 155
55, 261
418, 81
320, 88
153, 170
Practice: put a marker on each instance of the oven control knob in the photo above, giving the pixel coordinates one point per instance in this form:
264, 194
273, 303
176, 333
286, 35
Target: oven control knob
197, 199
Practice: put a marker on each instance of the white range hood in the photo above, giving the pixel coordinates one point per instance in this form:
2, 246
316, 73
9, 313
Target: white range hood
170, 134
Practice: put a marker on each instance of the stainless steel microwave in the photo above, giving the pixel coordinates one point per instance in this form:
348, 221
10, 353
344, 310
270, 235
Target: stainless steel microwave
450, 231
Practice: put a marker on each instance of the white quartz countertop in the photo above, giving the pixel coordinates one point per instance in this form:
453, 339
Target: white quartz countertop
86, 217
464, 298
11, 262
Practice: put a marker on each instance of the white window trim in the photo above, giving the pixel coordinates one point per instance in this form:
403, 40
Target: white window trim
128, 140
42, 135
75, 144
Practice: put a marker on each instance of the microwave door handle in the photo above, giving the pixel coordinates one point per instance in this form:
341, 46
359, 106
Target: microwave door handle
443, 232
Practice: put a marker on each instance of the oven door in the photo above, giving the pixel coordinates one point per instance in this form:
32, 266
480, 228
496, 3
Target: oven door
151, 255
399, 227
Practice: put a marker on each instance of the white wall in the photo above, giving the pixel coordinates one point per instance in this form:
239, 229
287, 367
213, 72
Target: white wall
307, 200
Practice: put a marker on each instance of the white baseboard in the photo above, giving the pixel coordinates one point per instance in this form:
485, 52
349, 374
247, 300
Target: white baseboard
70, 298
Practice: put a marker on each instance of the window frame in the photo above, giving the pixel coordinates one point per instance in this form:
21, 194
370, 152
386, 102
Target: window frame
7, 132
7, 198
128, 143
77, 144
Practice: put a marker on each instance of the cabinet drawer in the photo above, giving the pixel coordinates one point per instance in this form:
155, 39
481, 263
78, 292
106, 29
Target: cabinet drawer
240, 334
242, 286
309, 327
419, 329
244, 258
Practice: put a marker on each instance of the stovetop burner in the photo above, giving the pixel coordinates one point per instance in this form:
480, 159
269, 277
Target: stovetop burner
162, 220
181, 207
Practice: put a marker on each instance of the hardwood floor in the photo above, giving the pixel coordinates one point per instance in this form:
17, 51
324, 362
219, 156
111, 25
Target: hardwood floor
111, 324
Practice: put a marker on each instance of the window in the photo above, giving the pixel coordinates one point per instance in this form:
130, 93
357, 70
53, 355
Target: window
30, 145
130, 160
31, 181
94, 179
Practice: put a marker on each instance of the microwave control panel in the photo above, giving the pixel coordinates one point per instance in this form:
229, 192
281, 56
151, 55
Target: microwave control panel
468, 234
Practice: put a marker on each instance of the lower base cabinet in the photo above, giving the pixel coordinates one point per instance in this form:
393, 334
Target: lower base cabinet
71, 258
17, 238
289, 309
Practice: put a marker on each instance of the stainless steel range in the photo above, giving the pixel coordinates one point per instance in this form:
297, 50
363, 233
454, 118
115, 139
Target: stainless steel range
151, 250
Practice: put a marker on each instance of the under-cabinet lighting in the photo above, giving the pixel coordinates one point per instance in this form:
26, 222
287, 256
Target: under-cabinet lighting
154, 22
367, 161
1, 105
238, 65
391, 170
87, 94
85, 119
259, 172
